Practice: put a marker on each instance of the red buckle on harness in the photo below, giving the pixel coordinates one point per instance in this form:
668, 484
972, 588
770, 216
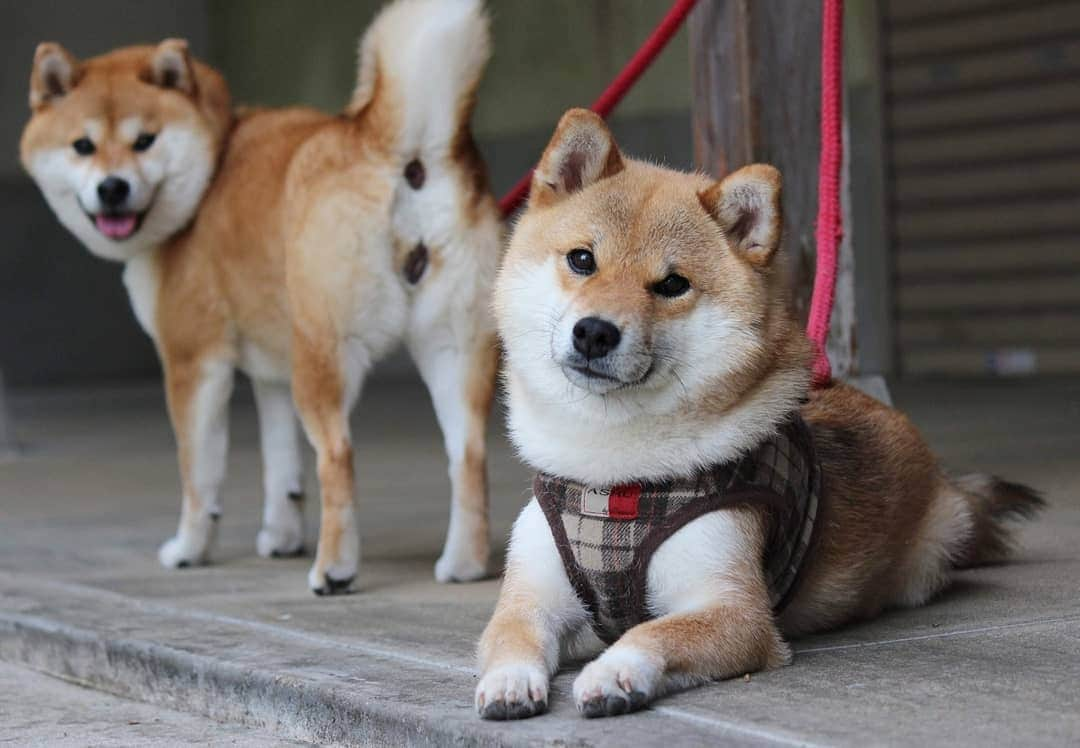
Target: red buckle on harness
623, 501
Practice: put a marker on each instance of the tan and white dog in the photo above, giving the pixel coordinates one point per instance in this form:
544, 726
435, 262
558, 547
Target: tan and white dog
297, 247
647, 340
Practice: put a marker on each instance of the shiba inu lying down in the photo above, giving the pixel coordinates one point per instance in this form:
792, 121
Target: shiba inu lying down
696, 502
297, 247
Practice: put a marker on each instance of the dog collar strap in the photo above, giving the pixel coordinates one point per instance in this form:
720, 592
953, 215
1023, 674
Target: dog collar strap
606, 535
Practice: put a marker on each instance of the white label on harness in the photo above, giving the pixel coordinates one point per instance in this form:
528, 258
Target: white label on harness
594, 501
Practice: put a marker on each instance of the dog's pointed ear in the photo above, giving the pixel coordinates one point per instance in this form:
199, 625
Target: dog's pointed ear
170, 67
581, 152
56, 71
746, 204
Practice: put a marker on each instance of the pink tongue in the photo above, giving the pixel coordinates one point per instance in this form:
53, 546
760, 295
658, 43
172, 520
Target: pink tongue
116, 227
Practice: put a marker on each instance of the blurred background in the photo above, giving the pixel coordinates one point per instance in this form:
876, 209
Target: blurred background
963, 115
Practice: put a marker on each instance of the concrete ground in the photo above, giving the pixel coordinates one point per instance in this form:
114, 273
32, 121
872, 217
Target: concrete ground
994, 661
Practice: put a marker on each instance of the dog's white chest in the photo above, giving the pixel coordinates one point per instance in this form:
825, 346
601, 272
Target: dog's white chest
142, 279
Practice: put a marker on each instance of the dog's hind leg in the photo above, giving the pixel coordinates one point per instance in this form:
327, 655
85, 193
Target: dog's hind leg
460, 375
198, 391
327, 374
282, 533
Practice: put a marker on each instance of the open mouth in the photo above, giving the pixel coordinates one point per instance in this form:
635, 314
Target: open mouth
117, 226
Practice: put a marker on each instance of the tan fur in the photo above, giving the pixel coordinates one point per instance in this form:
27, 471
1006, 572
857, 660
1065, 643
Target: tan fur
890, 524
284, 253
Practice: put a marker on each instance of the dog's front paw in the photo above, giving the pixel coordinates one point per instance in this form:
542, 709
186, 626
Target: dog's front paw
183, 551
512, 692
621, 680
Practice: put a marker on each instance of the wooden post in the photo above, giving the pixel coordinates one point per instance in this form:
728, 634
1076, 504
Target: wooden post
756, 68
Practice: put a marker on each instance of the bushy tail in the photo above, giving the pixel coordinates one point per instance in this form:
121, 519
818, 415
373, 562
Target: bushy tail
420, 64
994, 505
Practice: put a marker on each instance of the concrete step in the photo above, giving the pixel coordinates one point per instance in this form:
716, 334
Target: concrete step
292, 683
38, 710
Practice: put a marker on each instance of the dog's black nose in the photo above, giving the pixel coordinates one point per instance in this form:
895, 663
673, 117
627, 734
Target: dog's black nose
595, 337
113, 191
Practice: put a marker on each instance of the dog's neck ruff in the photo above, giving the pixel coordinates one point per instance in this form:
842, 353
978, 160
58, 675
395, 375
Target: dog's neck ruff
606, 535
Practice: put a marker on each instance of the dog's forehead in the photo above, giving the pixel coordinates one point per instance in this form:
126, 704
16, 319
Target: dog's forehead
654, 211
141, 102
110, 106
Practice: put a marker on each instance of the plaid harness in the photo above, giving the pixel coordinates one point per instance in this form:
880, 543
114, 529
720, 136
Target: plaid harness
607, 535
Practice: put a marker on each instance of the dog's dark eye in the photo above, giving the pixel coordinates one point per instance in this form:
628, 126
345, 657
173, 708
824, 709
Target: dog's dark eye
144, 141
673, 285
581, 261
84, 146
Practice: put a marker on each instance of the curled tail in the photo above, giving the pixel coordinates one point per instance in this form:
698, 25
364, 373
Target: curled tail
420, 64
995, 504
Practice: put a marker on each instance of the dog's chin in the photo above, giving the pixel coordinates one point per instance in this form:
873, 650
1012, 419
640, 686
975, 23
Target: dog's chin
117, 226
600, 382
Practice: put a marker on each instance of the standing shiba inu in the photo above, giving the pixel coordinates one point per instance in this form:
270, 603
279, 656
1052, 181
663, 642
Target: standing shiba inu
696, 502
297, 247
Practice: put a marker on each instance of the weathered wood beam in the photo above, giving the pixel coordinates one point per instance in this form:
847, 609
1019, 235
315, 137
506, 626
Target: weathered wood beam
756, 69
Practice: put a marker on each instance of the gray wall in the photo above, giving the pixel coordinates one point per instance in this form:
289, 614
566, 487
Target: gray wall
64, 317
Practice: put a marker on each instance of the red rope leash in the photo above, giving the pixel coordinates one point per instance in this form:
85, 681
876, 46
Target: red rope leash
830, 226
614, 93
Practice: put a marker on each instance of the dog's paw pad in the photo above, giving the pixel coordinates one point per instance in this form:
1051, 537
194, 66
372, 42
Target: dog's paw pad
512, 692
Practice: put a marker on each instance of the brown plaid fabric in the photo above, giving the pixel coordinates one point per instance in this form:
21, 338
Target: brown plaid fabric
606, 536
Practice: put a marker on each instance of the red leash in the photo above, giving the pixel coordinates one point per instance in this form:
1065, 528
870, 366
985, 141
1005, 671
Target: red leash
614, 93
830, 222
830, 227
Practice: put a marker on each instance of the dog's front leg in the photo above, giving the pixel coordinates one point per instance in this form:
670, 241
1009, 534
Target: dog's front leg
678, 651
457, 360
519, 650
707, 588
198, 391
